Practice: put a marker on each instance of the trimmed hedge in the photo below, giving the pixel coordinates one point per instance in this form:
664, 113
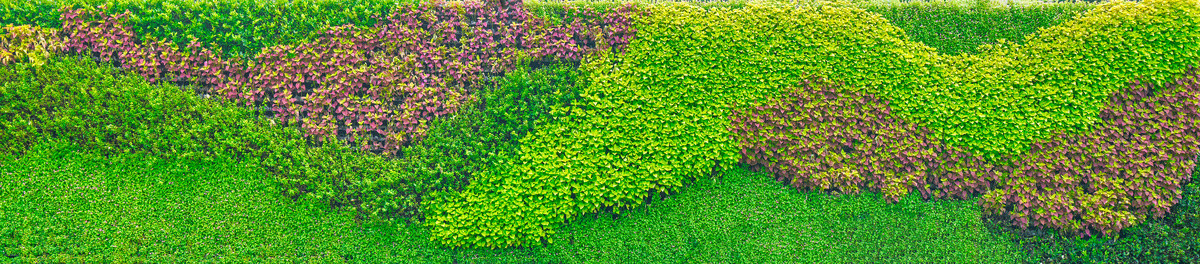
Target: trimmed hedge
59, 100
657, 117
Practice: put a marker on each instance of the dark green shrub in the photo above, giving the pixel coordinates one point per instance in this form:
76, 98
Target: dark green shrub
954, 28
241, 28
104, 112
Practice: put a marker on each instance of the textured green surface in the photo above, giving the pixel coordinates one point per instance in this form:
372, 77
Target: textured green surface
63, 205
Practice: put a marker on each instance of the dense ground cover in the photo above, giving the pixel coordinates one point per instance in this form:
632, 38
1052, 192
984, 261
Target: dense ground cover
64, 204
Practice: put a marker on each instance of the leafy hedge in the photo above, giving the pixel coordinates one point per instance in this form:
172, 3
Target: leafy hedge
1173, 239
954, 28
102, 110
821, 136
657, 116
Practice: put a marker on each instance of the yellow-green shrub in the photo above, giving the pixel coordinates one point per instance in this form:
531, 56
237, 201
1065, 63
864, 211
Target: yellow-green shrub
657, 117
28, 43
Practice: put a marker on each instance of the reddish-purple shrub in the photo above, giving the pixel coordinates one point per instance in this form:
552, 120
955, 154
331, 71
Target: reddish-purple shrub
377, 87
1133, 166
821, 137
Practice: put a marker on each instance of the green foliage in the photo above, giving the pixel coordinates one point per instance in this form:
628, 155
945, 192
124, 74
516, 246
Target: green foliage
1009, 96
953, 28
490, 128
240, 28
61, 204
28, 43
1174, 239
88, 104
41, 13
658, 116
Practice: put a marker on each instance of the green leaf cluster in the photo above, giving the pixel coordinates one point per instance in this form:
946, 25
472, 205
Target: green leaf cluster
241, 28
28, 43
954, 28
93, 106
101, 111
490, 128
657, 117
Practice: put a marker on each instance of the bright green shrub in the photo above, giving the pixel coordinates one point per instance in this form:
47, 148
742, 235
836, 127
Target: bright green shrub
1009, 96
954, 28
658, 116
490, 129
652, 119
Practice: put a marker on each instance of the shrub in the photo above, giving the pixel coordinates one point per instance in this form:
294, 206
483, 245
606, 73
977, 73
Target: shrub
107, 113
490, 128
28, 43
953, 28
360, 85
820, 136
1133, 166
1173, 239
240, 28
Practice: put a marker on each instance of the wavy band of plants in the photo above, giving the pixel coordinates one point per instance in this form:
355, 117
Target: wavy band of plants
658, 116
376, 87
1136, 164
